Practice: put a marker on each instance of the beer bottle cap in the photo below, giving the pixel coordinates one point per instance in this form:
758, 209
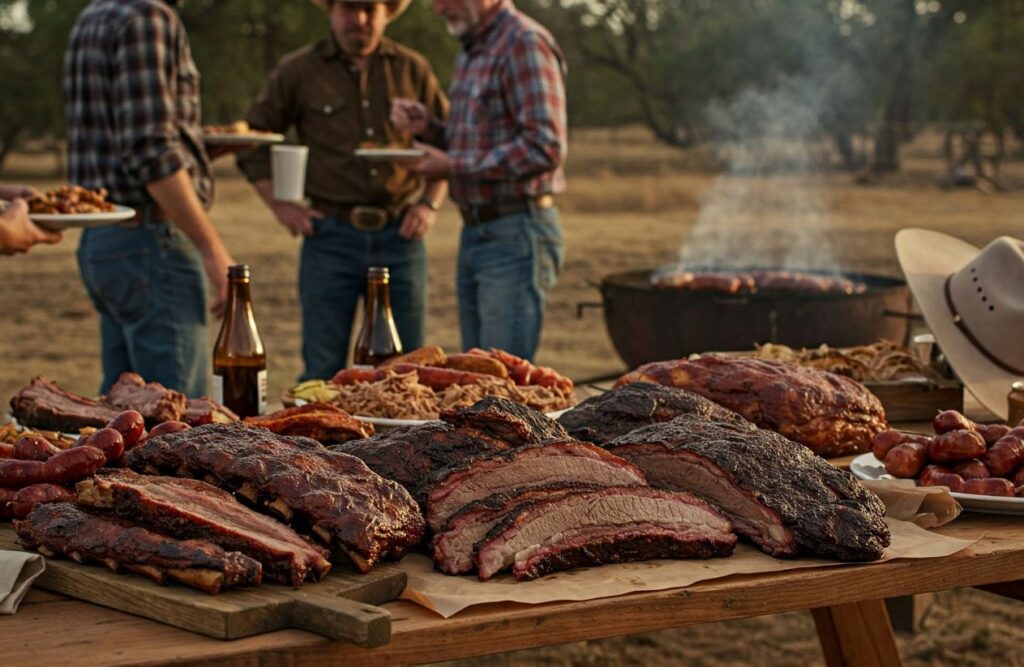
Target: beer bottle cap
238, 271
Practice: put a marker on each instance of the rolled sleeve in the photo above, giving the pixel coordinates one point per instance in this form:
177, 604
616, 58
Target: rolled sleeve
144, 90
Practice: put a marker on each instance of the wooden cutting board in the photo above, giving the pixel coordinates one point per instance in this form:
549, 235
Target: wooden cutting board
339, 607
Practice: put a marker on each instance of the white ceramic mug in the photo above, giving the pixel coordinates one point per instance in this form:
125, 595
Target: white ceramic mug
288, 166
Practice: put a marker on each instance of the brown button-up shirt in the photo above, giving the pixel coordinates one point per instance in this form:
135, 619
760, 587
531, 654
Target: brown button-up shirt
335, 107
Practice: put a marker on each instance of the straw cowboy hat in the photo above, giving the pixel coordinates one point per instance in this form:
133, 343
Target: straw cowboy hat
397, 6
973, 300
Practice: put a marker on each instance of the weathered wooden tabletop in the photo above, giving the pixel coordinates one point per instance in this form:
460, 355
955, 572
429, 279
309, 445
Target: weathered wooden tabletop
846, 603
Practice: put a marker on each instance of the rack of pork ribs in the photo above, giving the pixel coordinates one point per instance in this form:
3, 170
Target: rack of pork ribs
750, 282
324, 422
43, 404
504, 487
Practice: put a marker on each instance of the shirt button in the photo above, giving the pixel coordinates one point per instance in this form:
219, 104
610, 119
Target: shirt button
373, 172
328, 108
366, 104
369, 131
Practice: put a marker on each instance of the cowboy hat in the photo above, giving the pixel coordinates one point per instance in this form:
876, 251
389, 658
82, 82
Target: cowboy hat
973, 301
397, 6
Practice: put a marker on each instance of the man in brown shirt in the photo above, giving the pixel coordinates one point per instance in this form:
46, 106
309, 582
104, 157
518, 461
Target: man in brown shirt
337, 94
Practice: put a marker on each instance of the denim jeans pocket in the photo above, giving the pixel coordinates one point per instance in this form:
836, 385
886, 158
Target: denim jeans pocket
550, 251
121, 282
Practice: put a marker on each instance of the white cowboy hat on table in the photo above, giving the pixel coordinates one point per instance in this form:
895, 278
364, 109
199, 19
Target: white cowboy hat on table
973, 301
397, 6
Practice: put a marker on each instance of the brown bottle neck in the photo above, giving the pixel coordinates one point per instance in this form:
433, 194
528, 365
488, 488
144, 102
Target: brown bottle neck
378, 297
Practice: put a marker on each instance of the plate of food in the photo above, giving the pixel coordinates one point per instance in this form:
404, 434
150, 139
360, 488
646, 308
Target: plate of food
388, 152
239, 133
866, 466
75, 206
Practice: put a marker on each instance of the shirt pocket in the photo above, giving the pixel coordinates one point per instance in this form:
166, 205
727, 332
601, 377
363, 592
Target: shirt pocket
329, 122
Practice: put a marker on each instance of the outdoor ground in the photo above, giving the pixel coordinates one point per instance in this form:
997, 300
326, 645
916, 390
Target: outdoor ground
631, 204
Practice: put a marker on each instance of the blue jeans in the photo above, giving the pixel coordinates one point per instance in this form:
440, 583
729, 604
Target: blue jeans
504, 268
332, 281
148, 285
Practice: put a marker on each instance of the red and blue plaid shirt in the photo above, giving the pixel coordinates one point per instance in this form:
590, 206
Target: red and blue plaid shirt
506, 130
131, 94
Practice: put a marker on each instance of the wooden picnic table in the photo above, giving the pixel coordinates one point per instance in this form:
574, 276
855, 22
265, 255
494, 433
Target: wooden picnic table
847, 604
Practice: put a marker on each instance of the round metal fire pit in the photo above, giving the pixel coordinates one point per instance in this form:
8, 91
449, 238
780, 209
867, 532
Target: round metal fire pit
652, 324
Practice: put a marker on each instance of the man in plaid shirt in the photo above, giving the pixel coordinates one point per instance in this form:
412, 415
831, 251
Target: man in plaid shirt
502, 150
133, 123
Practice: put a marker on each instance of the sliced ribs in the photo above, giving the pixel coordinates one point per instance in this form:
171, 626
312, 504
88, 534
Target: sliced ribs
609, 525
455, 547
64, 529
831, 414
323, 422
331, 495
412, 455
192, 509
535, 465
41, 404
154, 401
776, 492
603, 418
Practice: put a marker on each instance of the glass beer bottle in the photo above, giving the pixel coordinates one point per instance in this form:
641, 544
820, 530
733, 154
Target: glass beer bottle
378, 338
239, 360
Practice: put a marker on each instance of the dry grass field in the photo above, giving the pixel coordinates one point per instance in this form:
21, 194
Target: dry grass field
631, 204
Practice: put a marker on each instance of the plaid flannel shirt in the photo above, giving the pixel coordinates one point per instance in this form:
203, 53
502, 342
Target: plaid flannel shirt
131, 94
506, 130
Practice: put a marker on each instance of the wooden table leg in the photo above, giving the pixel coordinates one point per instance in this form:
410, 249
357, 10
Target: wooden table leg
855, 635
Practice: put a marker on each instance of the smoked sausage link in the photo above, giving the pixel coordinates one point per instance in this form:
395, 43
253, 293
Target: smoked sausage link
991, 486
34, 448
1005, 455
906, 459
951, 420
30, 496
68, 466
956, 446
934, 475
884, 441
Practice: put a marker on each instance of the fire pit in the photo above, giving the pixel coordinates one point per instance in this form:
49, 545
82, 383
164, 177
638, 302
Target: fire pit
648, 323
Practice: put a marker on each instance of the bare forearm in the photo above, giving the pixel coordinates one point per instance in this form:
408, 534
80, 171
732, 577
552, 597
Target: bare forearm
436, 191
265, 189
177, 199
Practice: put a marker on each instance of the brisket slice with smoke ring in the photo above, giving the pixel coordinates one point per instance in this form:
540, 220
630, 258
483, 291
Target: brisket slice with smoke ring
776, 492
585, 529
603, 418
535, 465
192, 509
333, 496
41, 404
455, 546
64, 529
412, 455
154, 401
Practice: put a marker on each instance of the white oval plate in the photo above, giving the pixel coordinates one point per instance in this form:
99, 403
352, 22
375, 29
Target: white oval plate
242, 139
866, 466
388, 422
389, 153
65, 220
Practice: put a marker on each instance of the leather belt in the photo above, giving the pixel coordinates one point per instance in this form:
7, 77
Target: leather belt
145, 215
484, 213
363, 218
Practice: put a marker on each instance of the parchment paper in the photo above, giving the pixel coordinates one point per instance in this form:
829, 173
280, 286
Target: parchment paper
18, 570
447, 595
926, 506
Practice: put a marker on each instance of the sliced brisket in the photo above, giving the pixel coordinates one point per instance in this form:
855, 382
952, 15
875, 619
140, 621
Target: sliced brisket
64, 529
534, 465
41, 404
776, 492
192, 509
332, 495
508, 420
608, 525
156, 402
603, 418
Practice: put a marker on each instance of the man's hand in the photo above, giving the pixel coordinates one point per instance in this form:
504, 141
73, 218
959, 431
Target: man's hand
216, 263
434, 166
296, 218
18, 233
17, 191
409, 116
417, 222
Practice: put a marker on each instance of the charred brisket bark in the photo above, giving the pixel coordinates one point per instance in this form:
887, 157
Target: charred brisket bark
831, 414
535, 465
322, 422
334, 496
154, 401
64, 529
609, 525
191, 509
41, 404
776, 492
603, 418
506, 420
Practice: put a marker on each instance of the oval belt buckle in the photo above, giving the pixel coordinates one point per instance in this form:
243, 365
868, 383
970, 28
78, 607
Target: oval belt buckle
368, 218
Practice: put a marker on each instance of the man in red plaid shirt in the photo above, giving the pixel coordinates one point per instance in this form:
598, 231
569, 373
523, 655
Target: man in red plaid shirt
502, 150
